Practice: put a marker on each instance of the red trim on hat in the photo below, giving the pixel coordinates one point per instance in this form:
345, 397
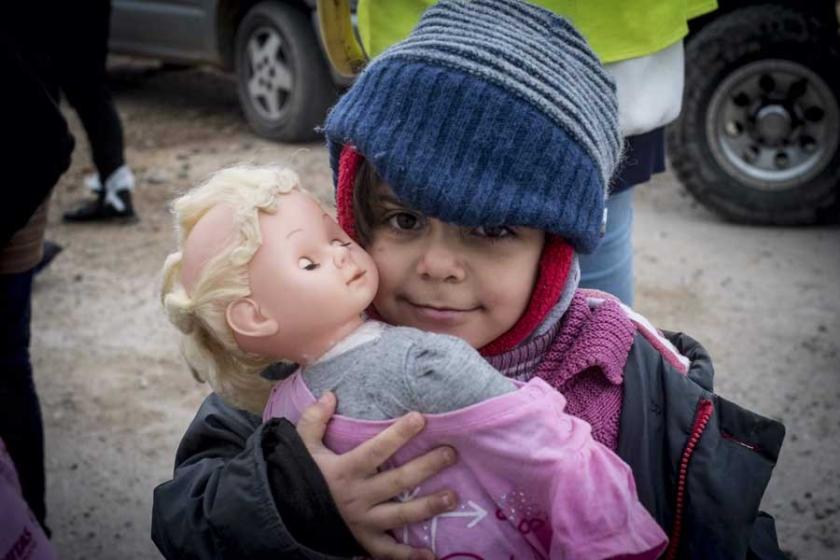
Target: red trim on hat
554, 266
555, 263
348, 165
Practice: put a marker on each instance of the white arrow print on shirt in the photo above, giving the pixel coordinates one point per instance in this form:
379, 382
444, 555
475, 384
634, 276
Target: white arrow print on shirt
478, 513
406, 496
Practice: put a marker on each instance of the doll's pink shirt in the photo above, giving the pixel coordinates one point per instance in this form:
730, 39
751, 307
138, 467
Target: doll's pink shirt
531, 481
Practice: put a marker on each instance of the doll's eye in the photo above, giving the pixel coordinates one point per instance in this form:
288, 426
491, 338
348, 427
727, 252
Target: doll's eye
307, 264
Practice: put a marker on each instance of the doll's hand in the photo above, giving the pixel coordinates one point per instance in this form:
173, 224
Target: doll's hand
362, 493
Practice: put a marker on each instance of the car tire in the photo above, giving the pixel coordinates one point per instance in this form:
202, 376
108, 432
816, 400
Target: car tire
283, 81
757, 138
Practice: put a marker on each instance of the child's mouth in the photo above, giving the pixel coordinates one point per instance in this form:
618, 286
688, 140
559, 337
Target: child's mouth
436, 314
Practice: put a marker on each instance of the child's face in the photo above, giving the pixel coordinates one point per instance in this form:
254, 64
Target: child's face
473, 283
308, 274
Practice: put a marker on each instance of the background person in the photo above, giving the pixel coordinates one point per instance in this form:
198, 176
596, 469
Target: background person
33, 162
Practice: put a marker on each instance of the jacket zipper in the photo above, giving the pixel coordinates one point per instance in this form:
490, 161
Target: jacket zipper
704, 412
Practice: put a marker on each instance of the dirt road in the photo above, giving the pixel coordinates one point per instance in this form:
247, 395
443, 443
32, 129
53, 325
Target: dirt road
116, 397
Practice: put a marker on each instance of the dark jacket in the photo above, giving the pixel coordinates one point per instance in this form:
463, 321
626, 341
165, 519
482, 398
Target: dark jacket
701, 463
245, 490
40, 143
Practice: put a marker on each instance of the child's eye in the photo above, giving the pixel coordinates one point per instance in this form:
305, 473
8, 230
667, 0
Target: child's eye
307, 264
340, 242
404, 221
492, 232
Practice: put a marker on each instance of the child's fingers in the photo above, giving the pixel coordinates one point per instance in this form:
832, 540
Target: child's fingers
393, 515
370, 455
384, 547
313, 421
407, 477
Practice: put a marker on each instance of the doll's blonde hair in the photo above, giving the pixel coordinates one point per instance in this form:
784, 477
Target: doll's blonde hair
208, 343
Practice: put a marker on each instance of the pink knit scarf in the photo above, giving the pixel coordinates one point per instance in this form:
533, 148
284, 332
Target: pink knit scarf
584, 360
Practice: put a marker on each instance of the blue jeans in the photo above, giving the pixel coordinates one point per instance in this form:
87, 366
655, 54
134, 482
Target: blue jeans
20, 411
610, 267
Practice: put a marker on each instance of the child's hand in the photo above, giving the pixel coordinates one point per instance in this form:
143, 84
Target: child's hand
362, 493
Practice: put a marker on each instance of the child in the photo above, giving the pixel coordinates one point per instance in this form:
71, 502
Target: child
492, 121
263, 271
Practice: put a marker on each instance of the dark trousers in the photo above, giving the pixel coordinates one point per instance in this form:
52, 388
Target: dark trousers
80, 66
20, 411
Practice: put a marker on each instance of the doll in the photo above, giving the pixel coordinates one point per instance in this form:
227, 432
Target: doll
265, 275
250, 306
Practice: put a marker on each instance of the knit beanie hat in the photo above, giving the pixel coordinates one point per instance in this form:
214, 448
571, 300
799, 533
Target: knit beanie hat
492, 112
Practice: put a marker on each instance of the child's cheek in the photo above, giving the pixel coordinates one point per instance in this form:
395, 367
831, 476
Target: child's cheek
504, 307
511, 294
379, 254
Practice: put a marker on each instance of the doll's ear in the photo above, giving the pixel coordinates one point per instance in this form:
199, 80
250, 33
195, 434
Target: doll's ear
245, 319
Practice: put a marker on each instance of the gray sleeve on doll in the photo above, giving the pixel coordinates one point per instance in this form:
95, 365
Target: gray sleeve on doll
444, 373
406, 370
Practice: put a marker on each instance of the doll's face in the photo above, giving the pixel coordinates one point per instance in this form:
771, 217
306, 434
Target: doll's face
307, 275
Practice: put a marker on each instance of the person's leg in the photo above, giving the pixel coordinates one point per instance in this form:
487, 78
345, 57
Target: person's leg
20, 411
83, 79
610, 267
95, 107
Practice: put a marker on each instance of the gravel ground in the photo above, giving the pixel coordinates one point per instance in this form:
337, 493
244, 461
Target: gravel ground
116, 397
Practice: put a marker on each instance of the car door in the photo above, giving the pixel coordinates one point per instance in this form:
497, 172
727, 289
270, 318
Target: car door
172, 30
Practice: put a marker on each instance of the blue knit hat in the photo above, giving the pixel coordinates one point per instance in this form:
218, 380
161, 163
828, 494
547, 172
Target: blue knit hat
492, 112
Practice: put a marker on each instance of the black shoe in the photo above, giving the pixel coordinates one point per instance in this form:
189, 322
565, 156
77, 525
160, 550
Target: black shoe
101, 210
51, 250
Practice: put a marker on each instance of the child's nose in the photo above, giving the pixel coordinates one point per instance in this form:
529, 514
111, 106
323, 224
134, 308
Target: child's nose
440, 262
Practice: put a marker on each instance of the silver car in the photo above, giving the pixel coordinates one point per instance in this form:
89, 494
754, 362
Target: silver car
284, 82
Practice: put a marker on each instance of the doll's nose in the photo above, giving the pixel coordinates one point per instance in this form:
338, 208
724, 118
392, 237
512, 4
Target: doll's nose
341, 255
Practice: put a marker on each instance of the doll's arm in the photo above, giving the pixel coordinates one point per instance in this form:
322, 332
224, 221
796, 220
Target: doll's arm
407, 370
445, 374
245, 490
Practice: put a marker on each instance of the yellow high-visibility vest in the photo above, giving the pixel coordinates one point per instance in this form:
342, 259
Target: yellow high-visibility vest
616, 29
